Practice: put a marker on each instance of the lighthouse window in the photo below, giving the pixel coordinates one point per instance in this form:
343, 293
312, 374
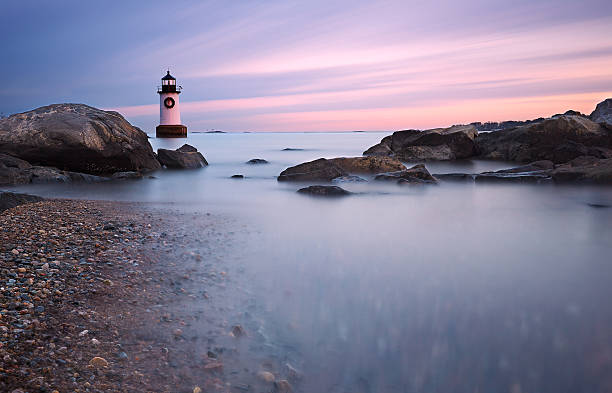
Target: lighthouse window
164, 82
172, 82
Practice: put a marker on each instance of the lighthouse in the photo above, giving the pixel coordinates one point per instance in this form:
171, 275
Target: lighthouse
169, 111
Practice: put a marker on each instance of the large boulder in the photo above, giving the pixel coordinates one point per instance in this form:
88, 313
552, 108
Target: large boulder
451, 143
368, 165
185, 157
417, 174
603, 112
559, 140
77, 137
317, 170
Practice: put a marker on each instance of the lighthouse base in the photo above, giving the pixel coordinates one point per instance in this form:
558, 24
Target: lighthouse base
178, 131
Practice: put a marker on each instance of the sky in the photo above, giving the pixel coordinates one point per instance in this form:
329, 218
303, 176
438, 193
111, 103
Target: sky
310, 65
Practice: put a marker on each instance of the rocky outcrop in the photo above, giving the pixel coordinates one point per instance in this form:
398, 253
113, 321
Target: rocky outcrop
603, 112
16, 171
558, 140
584, 169
329, 191
9, 200
77, 137
368, 165
439, 144
185, 157
418, 174
317, 170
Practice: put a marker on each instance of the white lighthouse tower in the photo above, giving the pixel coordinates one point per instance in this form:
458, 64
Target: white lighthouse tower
169, 112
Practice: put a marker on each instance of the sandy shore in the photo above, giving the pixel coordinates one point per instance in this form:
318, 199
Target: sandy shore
92, 299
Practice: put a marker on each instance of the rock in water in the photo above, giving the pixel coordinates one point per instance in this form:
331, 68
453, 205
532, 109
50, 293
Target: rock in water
368, 165
584, 169
317, 170
323, 191
256, 161
418, 174
9, 200
559, 140
603, 112
185, 157
77, 137
451, 143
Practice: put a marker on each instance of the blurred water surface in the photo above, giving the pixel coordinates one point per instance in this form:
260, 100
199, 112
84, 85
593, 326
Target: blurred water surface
449, 288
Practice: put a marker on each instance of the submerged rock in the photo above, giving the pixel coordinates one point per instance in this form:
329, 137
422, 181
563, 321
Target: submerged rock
368, 165
451, 143
317, 170
559, 140
323, 191
126, 175
77, 137
417, 174
237, 176
256, 161
185, 157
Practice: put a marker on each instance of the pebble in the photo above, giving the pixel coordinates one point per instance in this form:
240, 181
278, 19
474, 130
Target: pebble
282, 386
98, 362
266, 376
237, 331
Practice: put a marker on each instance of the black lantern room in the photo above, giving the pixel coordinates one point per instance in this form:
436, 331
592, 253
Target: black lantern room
169, 85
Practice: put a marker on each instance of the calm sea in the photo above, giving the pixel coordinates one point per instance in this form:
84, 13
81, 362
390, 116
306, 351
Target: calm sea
448, 288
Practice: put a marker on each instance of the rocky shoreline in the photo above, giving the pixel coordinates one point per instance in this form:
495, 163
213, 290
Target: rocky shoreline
85, 304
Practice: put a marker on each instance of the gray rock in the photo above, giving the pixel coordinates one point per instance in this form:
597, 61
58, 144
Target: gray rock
584, 169
77, 137
558, 140
457, 177
603, 112
451, 143
127, 175
256, 161
368, 165
329, 191
317, 170
9, 200
418, 174
185, 157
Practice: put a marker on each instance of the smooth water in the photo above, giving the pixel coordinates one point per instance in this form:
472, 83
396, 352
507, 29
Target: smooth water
451, 288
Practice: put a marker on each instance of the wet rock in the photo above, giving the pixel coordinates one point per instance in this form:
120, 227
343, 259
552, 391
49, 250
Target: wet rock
9, 200
237, 176
368, 165
257, 161
78, 138
451, 143
126, 175
317, 170
292, 149
584, 169
330, 191
238, 331
456, 177
98, 362
185, 157
558, 140
282, 386
417, 174
349, 179
266, 376
513, 177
